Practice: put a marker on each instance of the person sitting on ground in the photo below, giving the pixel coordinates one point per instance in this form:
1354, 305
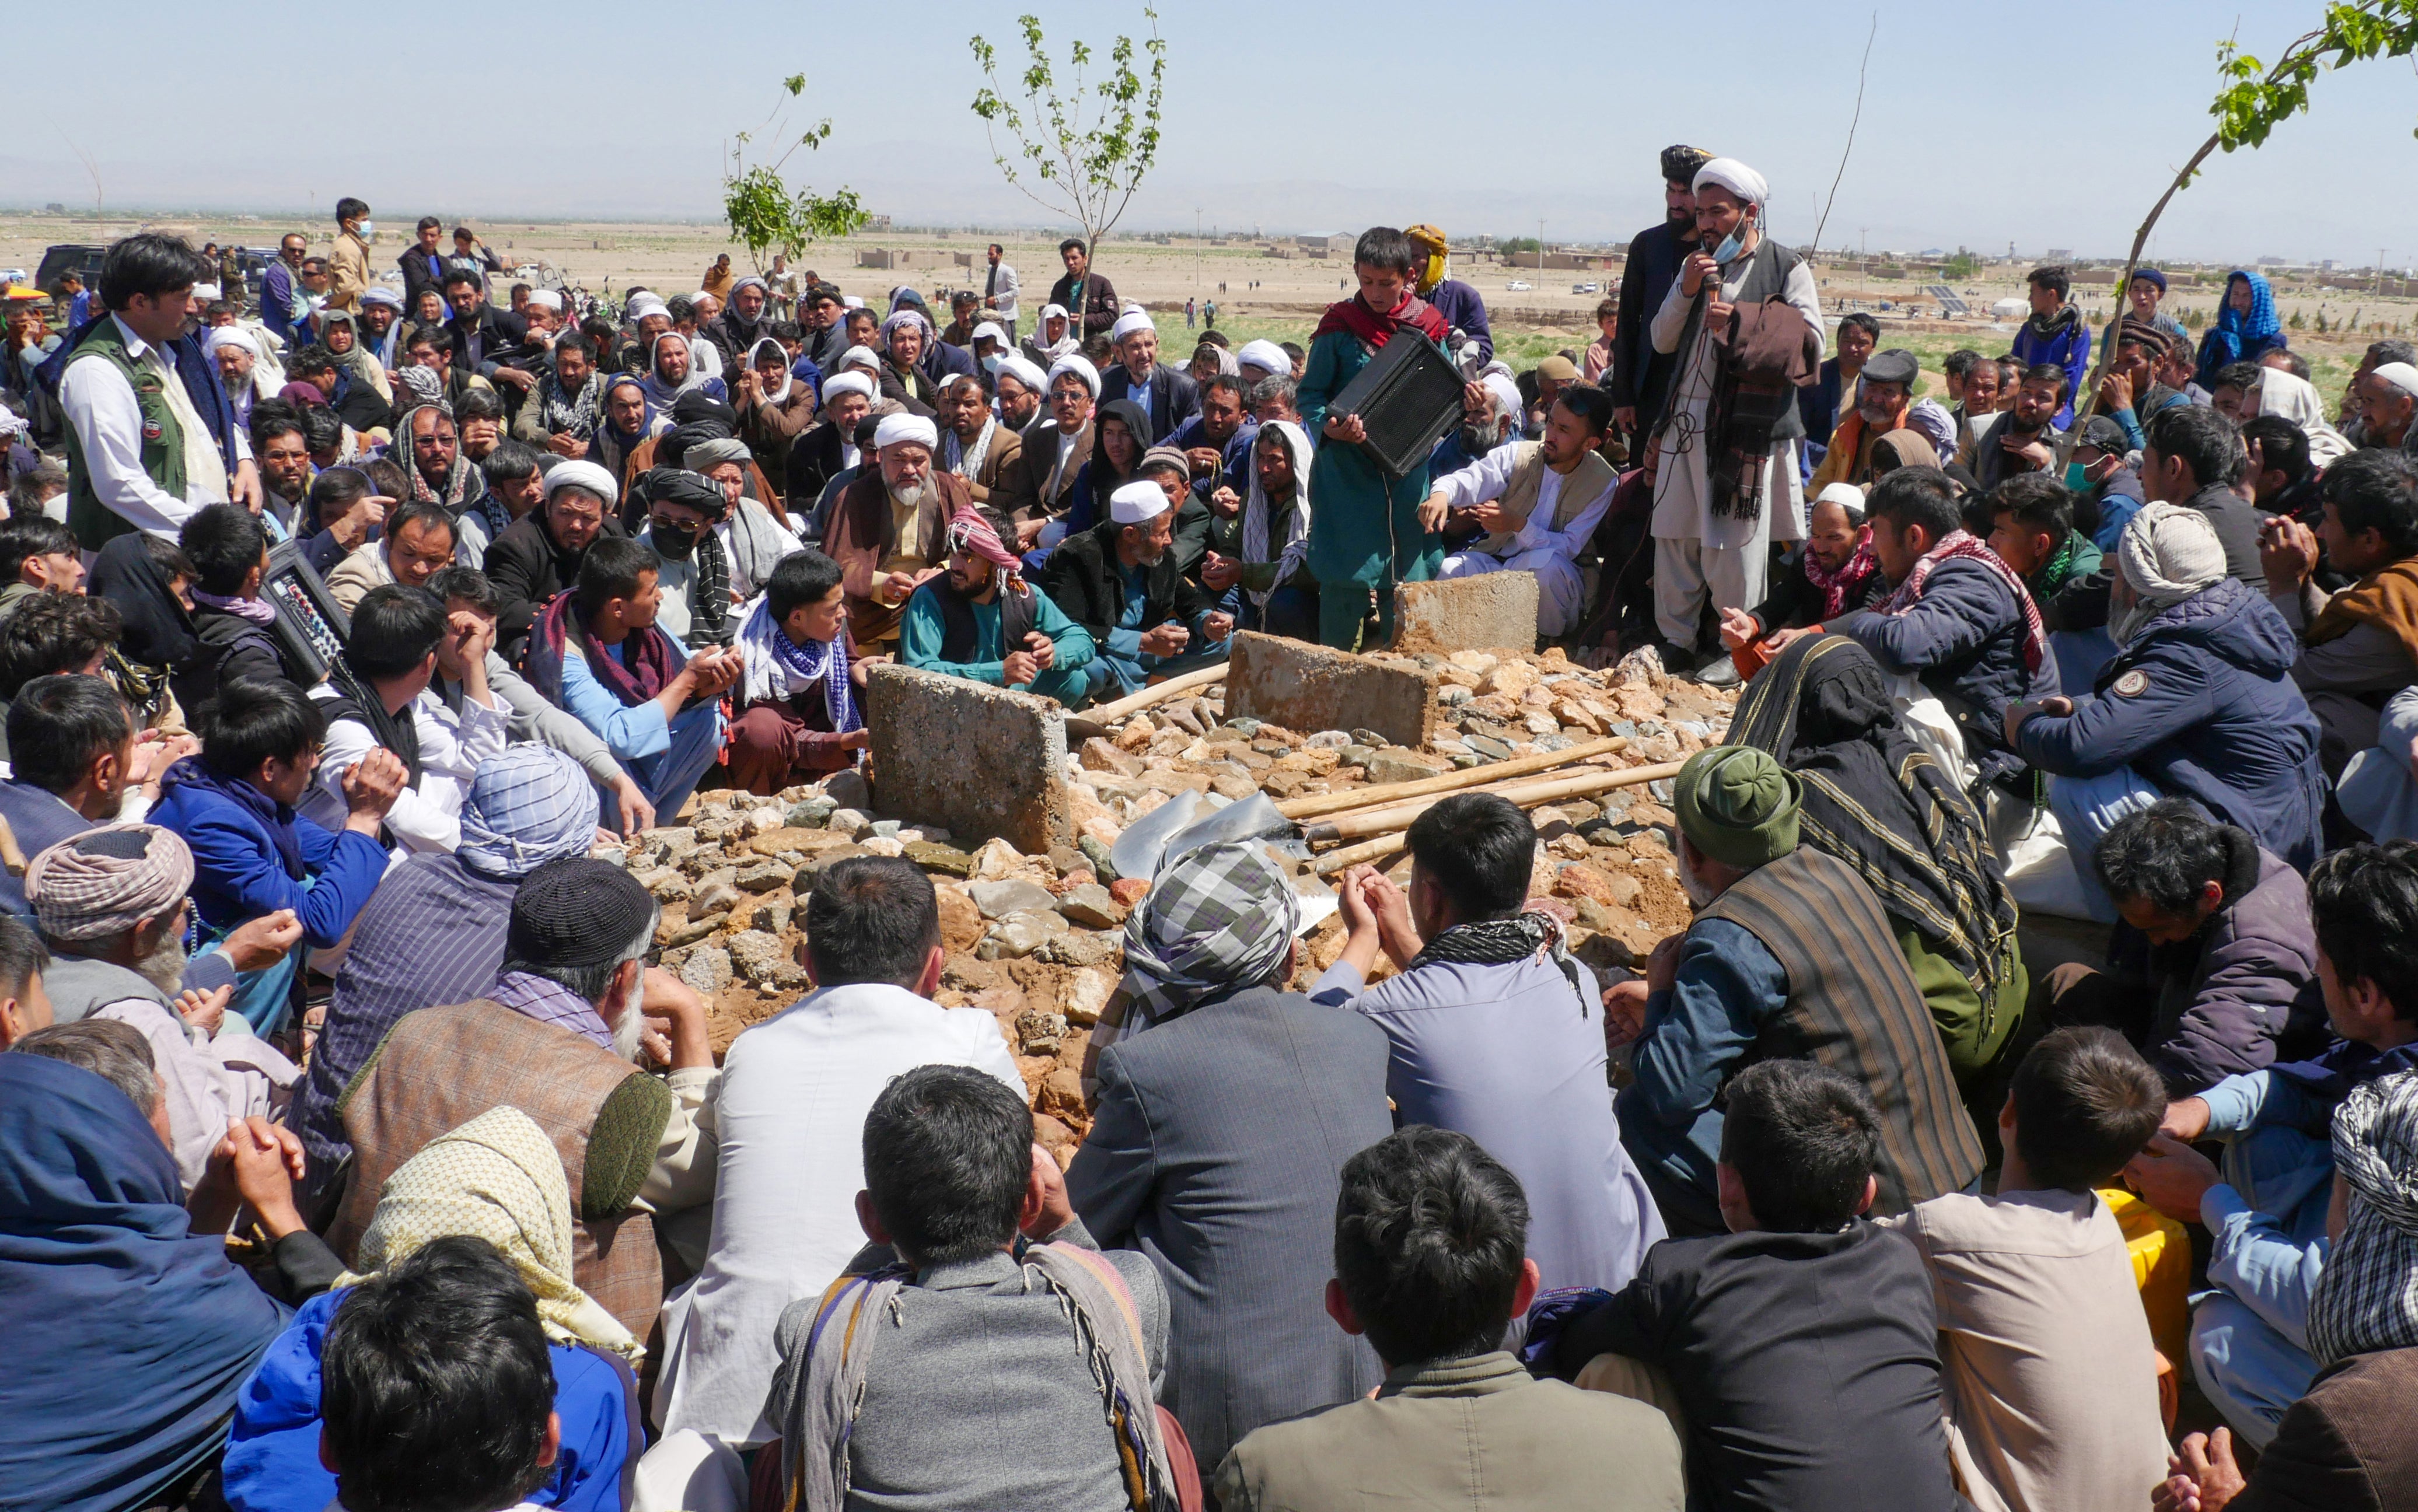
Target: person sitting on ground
2025, 438
1875, 800
2052, 1380
799, 710
1478, 975
235, 805
78, 761
38, 554
957, 1379
1790, 954
2031, 530
747, 521
2283, 480
976, 447
1799, 1290
2198, 703
598, 653
1534, 506
1834, 573
1120, 582
2358, 647
2131, 395
1190, 1159
131, 1330
1430, 1233
558, 1035
232, 623
802, 1081
2344, 1445
112, 905
983, 622
1269, 556
516, 478
434, 930
420, 539
2102, 482
889, 530
371, 701
1956, 620
346, 507
53, 635
1883, 396
489, 1191
686, 514
2192, 459
2267, 1207
539, 557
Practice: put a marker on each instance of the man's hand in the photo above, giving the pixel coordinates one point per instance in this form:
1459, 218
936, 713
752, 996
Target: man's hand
2288, 553
1225, 501
1018, 668
2203, 1478
751, 389
1491, 516
1432, 512
2115, 392
1164, 640
856, 741
564, 444
2056, 707
2172, 1177
2035, 455
1692, 273
1218, 626
895, 588
1624, 1013
713, 671
256, 1164
1028, 531
675, 1012
1662, 966
1738, 628
375, 508
1625, 417
155, 752
517, 378
1219, 573
1043, 649
373, 784
2185, 1120
1780, 640
1346, 428
637, 813
1359, 913
1203, 460
1049, 1184
244, 487
256, 944
204, 1010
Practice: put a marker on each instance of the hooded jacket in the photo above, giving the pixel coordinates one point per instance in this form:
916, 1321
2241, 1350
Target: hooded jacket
2203, 705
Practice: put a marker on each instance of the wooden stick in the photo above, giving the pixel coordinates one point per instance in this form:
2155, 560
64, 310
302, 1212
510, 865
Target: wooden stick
1107, 713
1306, 808
1379, 853
1386, 820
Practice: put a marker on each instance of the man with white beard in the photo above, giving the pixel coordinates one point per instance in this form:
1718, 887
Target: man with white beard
112, 905
559, 1036
238, 356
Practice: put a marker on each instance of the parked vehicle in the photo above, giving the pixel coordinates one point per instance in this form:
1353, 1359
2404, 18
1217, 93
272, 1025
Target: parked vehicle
1517, 286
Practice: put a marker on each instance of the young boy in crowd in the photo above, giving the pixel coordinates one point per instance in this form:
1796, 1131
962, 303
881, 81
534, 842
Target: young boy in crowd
798, 711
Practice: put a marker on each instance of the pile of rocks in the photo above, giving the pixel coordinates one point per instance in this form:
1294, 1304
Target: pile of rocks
1038, 939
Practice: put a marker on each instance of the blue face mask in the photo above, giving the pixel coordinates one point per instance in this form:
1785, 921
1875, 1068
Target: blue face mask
2077, 478
1731, 244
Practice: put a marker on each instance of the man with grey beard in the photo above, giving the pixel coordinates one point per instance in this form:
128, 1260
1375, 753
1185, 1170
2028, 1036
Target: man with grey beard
112, 905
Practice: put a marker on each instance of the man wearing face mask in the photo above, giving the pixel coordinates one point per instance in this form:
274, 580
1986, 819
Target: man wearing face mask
1714, 525
1640, 376
694, 578
1881, 402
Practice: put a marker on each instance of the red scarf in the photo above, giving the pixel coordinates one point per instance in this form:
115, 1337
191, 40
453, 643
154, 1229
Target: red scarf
1847, 582
1964, 544
1355, 318
560, 633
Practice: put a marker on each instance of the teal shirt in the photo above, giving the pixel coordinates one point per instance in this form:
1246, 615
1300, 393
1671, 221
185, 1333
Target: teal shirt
1364, 528
920, 636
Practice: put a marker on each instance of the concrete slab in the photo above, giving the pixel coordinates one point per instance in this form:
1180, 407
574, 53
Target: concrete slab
1309, 688
1494, 611
981, 761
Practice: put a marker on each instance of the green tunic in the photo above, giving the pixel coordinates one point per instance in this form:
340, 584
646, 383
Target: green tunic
1364, 535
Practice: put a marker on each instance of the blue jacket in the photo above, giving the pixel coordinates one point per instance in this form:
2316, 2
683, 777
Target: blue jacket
238, 872
1817, 406
2068, 346
272, 1457
1964, 640
2202, 704
1233, 458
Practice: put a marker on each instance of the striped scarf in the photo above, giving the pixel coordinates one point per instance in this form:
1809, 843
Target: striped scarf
1963, 544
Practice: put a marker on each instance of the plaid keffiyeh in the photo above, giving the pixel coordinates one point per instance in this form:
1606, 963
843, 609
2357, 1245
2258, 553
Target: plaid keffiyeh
1220, 917
2367, 1299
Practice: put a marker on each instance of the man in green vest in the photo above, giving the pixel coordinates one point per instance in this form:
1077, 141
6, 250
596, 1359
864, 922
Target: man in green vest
1790, 958
150, 437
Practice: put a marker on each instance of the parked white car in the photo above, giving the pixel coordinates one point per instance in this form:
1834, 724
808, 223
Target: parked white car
1518, 285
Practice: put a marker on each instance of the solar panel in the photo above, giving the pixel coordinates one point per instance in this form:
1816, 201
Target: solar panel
1948, 302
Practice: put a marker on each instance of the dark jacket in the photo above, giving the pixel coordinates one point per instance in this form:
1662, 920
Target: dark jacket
2202, 703
1807, 1367
1193, 1161
1964, 641
1174, 398
1817, 408
421, 270
1083, 577
1464, 309
2242, 993
528, 568
230, 647
497, 330
943, 359
2346, 1446
1794, 601
1641, 376
815, 460
1101, 305
1990, 455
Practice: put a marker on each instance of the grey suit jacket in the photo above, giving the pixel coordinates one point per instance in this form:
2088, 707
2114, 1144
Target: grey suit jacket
1218, 1151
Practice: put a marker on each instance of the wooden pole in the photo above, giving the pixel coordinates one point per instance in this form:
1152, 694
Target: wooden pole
1386, 820
1378, 852
1307, 808
1108, 713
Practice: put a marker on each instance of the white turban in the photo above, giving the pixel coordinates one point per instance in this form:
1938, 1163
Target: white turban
1267, 355
229, 336
1737, 177
586, 475
2169, 552
379, 294
645, 305
1506, 392
1136, 502
847, 383
704, 294
987, 329
1847, 495
208, 292
1023, 372
1081, 366
545, 298
903, 429
851, 301
1131, 321
2400, 375
860, 357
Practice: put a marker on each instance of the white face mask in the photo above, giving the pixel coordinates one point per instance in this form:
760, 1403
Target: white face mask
367, 230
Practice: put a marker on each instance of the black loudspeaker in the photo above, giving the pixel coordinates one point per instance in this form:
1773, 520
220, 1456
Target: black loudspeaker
1408, 396
312, 626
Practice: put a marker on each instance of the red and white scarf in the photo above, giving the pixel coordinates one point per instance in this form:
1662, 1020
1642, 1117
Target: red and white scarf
1964, 544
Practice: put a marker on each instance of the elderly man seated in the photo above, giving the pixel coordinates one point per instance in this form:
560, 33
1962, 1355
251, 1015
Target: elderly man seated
558, 1035
598, 653
113, 906
981, 621
1536, 505
1883, 396
1835, 574
1119, 581
889, 530
434, 931
539, 555
1790, 957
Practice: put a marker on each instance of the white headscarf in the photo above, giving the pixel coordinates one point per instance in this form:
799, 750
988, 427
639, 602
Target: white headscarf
1266, 355
1064, 344
1256, 509
780, 395
2288, 397
1737, 177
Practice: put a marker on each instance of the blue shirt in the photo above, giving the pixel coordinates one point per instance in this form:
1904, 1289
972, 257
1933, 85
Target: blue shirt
1126, 640
1727, 985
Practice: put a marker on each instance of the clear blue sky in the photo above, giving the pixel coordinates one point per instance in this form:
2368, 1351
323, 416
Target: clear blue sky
2050, 125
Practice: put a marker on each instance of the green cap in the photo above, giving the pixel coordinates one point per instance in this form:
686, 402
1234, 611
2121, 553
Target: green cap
1739, 805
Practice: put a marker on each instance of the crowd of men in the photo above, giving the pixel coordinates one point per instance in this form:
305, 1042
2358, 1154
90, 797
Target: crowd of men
338, 626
